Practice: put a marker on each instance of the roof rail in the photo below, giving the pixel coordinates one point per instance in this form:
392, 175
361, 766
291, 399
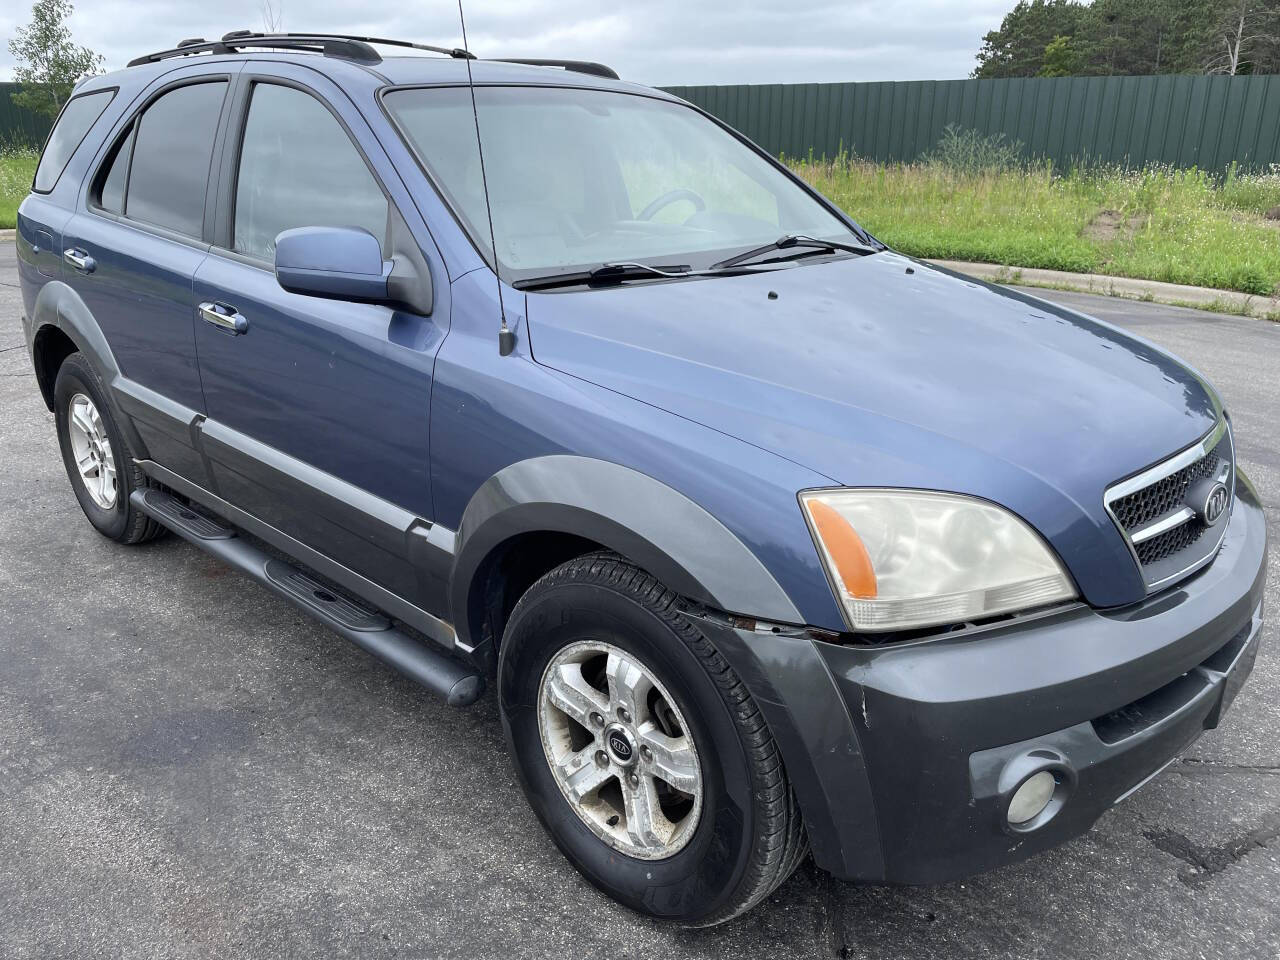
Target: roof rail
342, 48
576, 66
345, 46
456, 52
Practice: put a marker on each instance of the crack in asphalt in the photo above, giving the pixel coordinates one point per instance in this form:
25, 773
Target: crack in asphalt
1209, 860
1190, 765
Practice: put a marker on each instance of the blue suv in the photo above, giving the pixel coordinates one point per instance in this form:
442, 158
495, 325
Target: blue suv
770, 538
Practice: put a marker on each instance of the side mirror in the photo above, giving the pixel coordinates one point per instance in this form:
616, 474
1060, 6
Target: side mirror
340, 263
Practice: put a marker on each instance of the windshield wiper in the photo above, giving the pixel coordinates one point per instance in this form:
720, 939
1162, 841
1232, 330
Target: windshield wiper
608, 273
791, 240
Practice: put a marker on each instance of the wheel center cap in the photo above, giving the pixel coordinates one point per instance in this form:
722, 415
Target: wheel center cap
621, 746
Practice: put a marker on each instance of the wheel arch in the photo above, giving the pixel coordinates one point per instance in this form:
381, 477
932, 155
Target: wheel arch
60, 318
50, 346
561, 506
62, 324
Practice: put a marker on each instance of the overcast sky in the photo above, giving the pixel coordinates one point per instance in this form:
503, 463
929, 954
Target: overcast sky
652, 41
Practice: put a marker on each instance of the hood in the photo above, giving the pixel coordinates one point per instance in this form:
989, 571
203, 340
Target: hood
885, 371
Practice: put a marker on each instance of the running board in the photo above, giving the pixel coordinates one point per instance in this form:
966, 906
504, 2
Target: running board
456, 683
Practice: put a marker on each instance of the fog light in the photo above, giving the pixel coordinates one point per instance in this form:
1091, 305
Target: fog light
1030, 799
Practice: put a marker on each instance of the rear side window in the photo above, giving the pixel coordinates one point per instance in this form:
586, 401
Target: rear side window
74, 122
298, 168
169, 172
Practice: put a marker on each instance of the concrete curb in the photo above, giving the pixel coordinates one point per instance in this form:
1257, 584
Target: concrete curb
1202, 298
7, 235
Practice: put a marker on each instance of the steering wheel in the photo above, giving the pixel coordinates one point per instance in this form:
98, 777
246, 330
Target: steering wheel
669, 198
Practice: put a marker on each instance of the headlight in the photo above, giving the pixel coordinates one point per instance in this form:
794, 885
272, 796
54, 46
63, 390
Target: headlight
915, 558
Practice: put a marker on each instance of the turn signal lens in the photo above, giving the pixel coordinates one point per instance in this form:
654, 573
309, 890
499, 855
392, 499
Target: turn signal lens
845, 550
900, 559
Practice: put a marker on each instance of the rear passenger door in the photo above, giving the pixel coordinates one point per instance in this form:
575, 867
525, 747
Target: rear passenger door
132, 252
319, 411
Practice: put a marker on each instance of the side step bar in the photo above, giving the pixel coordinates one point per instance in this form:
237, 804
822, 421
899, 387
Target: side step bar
456, 683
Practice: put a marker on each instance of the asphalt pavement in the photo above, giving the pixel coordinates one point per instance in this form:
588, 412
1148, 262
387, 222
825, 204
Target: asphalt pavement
190, 768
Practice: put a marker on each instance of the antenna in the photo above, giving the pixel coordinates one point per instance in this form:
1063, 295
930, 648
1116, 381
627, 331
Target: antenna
506, 336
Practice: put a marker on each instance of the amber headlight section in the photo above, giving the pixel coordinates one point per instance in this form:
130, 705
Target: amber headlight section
902, 559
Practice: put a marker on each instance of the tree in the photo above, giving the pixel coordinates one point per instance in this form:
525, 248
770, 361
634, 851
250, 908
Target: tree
1017, 48
1133, 37
272, 16
1060, 59
1244, 39
48, 63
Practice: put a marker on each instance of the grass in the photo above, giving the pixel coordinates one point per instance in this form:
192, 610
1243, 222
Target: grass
17, 167
1180, 226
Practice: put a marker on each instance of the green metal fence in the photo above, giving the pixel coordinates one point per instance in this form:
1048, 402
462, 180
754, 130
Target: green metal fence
20, 127
1187, 121
1207, 122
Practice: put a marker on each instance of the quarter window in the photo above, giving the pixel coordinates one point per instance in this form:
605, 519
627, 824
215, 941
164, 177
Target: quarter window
110, 194
298, 168
171, 154
77, 117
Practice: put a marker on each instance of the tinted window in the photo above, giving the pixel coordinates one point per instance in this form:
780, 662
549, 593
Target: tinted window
298, 168
76, 119
111, 193
171, 154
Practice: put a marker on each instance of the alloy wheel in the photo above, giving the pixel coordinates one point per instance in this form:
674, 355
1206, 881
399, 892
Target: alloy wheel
620, 750
91, 448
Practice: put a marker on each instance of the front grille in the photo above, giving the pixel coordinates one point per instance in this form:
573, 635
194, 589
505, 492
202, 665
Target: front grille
1165, 545
1167, 534
1165, 495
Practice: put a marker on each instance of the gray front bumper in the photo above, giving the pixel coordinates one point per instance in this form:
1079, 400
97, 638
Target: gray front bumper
901, 755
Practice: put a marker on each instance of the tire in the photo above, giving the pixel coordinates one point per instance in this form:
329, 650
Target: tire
746, 836
114, 517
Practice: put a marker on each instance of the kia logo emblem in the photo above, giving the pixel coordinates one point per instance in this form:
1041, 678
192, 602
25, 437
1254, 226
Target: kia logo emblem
619, 745
1215, 505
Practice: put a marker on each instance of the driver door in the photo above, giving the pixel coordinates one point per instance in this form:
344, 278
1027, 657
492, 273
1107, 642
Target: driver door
318, 410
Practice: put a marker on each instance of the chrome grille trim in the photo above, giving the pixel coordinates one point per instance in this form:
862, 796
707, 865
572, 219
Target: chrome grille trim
1211, 540
1163, 525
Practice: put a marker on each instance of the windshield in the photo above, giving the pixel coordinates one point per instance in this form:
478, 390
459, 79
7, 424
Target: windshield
578, 178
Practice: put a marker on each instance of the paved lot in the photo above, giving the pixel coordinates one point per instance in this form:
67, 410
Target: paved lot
190, 768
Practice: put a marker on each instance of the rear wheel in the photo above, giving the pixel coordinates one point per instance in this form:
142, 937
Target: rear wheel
640, 749
97, 458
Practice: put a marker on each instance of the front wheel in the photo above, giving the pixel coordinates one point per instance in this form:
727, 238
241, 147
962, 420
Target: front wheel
640, 749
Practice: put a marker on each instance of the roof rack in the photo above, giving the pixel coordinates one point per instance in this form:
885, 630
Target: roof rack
576, 66
343, 46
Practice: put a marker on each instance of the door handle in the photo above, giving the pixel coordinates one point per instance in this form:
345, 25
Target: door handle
80, 260
224, 317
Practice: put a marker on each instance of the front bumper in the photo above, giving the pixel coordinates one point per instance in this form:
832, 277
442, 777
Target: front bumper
904, 757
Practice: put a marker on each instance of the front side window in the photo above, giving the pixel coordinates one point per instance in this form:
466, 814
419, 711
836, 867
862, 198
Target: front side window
577, 178
73, 123
298, 168
172, 150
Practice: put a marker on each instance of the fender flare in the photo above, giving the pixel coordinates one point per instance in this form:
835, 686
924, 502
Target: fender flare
679, 542
643, 519
59, 306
